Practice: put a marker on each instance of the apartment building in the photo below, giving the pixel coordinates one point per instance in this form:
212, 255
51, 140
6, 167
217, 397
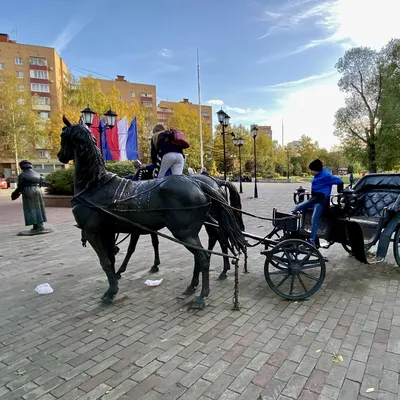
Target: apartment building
43, 72
265, 130
144, 93
165, 110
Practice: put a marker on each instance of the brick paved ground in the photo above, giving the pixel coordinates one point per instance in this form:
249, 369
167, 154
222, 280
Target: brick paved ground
148, 346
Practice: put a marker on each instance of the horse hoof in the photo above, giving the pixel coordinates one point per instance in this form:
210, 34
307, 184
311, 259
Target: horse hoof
109, 295
222, 276
116, 250
154, 269
189, 290
198, 304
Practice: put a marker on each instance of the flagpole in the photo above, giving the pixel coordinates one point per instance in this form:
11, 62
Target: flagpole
200, 119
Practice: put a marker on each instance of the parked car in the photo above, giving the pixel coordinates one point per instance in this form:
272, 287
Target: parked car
3, 183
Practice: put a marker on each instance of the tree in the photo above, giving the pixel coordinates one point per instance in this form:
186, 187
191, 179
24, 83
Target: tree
186, 119
388, 144
307, 150
358, 122
20, 127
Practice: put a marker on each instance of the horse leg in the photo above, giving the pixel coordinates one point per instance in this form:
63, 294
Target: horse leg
213, 237
223, 275
155, 242
201, 264
130, 251
104, 246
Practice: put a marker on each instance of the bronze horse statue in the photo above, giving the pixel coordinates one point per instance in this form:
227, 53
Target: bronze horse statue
214, 235
105, 204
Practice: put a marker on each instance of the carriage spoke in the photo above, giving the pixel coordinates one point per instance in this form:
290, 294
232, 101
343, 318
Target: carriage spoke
311, 264
283, 271
306, 258
282, 281
288, 254
279, 260
291, 285
302, 283
308, 276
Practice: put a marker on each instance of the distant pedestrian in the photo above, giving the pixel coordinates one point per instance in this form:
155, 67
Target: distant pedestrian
351, 179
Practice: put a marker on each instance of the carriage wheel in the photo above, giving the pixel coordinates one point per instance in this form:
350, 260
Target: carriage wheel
396, 245
294, 269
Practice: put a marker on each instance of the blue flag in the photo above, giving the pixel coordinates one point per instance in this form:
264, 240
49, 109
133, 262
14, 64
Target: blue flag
132, 152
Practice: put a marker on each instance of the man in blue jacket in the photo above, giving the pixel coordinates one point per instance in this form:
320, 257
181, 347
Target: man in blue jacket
321, 188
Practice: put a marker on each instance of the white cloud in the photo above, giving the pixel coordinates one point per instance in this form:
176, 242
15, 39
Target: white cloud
70, 32
166, 53
215, 102
299, 82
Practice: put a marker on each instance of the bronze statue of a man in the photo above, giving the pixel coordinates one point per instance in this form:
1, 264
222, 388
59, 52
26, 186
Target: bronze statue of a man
29, 184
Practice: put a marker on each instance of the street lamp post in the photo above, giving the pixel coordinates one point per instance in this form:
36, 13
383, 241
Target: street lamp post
239, 143
223, 119
288, 163
254, 131
88, 116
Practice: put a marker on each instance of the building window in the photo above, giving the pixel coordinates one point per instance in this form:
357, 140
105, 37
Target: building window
41, 101
1, 65
38, 61
121, 97
18, 60
44, 115
39, 74
146, 95
44, 154
132, 94
204, 113
40, 87
147, 103
20, 75
21, 101
20, 88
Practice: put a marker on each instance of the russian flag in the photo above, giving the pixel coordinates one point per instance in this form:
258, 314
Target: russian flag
120, 143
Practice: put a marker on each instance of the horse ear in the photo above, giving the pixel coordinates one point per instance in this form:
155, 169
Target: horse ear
65, 120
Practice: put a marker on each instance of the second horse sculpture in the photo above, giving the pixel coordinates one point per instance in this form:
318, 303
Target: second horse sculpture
213, 232
105, 204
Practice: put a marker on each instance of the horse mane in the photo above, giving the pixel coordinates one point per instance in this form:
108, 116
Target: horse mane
94, 168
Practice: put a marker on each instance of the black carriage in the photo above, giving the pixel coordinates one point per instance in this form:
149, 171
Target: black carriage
359, 218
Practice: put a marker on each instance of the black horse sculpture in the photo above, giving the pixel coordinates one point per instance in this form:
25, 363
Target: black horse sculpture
214, 234
105, 204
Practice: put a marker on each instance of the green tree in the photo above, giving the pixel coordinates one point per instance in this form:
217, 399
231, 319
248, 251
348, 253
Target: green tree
358, 122
388, 143
21, 129
307, 151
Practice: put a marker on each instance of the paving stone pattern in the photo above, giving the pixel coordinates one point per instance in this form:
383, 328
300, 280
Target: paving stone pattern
148, 346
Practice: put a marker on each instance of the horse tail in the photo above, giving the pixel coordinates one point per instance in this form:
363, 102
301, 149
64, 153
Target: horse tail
234, 199
231, 232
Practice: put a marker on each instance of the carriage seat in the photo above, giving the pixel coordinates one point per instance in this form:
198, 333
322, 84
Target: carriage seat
377, 195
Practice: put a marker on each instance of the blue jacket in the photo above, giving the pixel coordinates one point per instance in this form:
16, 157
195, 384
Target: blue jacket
322, 183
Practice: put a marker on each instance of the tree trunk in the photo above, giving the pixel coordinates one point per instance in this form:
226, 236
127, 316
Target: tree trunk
372, 167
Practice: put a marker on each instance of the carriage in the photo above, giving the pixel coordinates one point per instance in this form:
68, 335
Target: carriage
358, 218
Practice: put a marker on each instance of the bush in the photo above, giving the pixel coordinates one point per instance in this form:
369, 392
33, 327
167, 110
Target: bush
121, 168
61, 182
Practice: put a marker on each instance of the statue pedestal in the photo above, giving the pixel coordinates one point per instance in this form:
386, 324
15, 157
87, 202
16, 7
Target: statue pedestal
33, 232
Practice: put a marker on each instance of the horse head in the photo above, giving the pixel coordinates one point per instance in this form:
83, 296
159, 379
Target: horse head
74, 137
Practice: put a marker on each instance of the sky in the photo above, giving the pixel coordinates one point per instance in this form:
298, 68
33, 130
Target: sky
262, 61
